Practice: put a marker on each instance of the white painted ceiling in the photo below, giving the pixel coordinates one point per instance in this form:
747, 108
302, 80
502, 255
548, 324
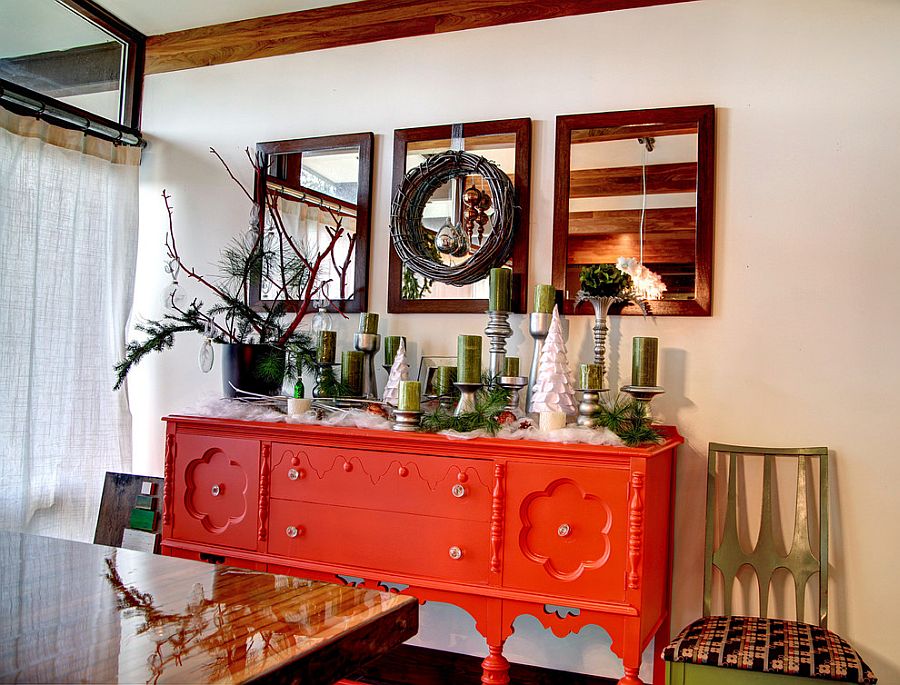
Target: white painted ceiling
163, 16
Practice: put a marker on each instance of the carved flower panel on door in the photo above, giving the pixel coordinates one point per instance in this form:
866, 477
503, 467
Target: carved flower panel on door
565, 529
216, 491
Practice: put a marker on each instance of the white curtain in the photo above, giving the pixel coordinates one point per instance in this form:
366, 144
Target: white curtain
68, 240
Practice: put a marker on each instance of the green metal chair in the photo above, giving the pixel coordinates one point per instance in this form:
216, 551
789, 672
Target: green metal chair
744, 650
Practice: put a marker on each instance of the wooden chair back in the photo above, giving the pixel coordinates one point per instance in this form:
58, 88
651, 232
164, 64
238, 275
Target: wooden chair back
725, 552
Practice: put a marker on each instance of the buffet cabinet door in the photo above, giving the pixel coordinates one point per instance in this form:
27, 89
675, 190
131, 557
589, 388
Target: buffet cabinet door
567, 531
216, 490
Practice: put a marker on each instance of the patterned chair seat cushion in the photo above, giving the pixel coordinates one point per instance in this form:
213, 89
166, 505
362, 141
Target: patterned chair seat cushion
769, 646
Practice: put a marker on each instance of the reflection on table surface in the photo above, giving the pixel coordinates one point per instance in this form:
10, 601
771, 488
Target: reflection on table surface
73, 612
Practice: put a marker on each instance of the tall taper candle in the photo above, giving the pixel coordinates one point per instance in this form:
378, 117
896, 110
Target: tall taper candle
410, 394
326, 342
512, 366
391, 345
500, 290
544, 298
468, 359
643, 361
351, 370
368, 322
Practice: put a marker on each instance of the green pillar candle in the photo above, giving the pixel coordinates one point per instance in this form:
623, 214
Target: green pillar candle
351, 371
591, 378
326, 342
512, 366
500, 290
444, 377
368, 322
410, 394
391, 345
468, 358
544, 298
643, 361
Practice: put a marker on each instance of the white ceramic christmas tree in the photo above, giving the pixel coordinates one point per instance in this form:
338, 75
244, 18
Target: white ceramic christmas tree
553, 395
399, 372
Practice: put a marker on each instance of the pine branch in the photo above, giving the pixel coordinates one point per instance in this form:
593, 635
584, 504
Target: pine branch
160, 336
627, 418
489, 402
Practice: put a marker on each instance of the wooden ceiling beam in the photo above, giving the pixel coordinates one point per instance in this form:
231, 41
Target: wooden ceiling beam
679, 177
354, 23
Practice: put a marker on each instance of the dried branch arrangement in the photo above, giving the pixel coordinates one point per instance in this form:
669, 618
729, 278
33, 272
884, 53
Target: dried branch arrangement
292, 268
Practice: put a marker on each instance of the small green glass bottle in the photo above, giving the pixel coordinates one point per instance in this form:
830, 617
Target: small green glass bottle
299, 390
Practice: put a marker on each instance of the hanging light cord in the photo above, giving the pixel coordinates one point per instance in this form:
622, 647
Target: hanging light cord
643, 200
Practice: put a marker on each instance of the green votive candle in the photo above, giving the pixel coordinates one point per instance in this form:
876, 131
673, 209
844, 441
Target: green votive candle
444, 377
644, 353
591, 378
368, 322
326, 342
512, 366
351, 371
544, 298
500, 290
468, 358
410, 394
391, 345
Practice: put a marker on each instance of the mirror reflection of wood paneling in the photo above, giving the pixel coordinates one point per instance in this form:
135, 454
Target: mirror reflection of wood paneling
637, 184
508, 145
319, 182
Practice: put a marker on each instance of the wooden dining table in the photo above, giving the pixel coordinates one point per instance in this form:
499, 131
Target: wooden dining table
72, 612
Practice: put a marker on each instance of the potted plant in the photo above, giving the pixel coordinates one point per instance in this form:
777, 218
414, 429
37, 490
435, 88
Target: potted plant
263, 343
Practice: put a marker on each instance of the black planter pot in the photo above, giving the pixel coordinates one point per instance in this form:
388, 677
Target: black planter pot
252, 368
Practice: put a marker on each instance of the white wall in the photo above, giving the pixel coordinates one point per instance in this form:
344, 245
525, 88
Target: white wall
802, 345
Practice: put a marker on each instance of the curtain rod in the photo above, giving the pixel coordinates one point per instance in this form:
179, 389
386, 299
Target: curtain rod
23, 101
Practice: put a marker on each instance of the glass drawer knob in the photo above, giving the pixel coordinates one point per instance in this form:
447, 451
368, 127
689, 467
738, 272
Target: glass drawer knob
458, 490
216, 489
455, 552
293, 474
563, 530
293, 531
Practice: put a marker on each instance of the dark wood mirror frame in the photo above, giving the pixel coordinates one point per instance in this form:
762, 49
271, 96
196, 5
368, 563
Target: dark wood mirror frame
359, 300
643, 122
522, 184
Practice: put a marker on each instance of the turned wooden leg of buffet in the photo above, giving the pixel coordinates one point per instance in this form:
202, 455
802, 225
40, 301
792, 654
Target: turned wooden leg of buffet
571, 534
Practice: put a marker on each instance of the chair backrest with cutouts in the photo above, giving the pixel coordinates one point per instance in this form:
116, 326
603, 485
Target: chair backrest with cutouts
724, 549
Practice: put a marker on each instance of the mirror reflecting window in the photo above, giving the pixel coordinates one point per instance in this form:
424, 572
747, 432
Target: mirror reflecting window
639, 185
320, 184
459, 213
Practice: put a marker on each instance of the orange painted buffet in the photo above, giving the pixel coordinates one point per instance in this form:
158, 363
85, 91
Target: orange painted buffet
497, 527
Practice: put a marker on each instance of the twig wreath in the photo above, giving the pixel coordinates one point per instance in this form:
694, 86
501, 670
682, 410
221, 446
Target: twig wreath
410, 238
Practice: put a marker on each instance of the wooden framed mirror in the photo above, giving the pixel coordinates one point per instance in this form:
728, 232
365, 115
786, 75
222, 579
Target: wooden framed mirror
635, 183
314, 180
506, 143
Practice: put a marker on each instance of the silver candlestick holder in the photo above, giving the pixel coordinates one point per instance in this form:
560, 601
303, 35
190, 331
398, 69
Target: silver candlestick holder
497, 331
587, 409
644, 394
466, 397
322, 371
601, 307
368, 344
539, 327
406, 421
514, 384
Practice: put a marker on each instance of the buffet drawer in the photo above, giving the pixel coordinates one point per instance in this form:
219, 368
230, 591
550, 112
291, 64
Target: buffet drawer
455, 488
380, 540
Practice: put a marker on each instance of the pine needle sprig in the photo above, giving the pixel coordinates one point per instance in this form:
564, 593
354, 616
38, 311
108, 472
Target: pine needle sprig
489, 402
629, 419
